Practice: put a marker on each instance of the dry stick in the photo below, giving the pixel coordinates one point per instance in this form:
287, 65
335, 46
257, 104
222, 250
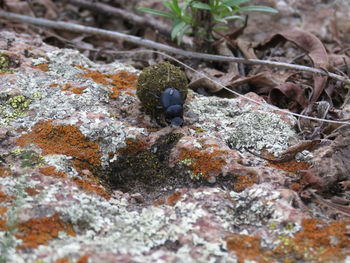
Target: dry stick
152, 44
124, 14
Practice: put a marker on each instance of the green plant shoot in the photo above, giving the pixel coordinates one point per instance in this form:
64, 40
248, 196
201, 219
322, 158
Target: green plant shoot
185, 18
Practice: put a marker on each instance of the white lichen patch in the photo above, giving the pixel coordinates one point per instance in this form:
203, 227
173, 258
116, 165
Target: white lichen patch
254, 206
111, 227
240, 126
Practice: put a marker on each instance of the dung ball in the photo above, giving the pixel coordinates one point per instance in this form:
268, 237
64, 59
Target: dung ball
154, 80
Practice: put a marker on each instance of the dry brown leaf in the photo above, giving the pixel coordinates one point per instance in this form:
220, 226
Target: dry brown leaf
198, 81
337, 61
304, 40
289, 90
223, 49
246, 48
51, 9
314, 48
19, 7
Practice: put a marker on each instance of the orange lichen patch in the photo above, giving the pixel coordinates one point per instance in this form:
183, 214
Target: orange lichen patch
159, 201
4, 197
122, 80
75, 90
84, 184
291, 166
51, 171
3, 210
64, 139
5, 172
95, 76
3, 224
244, 181
53, 85
3, 221
296, 187
317, 242
133, 146
173, 198
63, 260
31, 191
36, 232
204, 163
246, 247
90, 186
83, 259
130, 93
42, 67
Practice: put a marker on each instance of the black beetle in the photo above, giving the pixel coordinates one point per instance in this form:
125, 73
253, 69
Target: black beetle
172, 105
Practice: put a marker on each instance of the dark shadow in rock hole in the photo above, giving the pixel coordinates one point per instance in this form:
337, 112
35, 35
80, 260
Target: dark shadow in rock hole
147, 172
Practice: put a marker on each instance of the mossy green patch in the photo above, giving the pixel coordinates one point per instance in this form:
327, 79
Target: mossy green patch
28, 158
154, 80
5, 64
13, 107
19, 102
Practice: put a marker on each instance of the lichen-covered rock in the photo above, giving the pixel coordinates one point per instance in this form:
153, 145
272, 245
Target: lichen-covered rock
86, 177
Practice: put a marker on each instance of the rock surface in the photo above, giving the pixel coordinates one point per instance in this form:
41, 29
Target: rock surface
85, 176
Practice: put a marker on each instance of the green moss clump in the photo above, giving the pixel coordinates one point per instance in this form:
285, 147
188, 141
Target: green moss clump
4, 63
13, 108
19, 102
154, 80
28, 158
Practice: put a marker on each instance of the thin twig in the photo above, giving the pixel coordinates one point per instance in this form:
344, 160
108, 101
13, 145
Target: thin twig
147, 43
124, 14
151, 44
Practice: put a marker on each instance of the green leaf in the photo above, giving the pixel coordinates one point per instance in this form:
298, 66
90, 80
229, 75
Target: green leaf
157, 12
233, 17
257, 8
181, 33
220, 19
177, 29
177, 7
167, 4
221, 28
173, 6
200, 5
235, 2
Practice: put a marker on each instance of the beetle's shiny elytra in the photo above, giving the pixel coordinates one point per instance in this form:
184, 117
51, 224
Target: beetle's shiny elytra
172, 104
